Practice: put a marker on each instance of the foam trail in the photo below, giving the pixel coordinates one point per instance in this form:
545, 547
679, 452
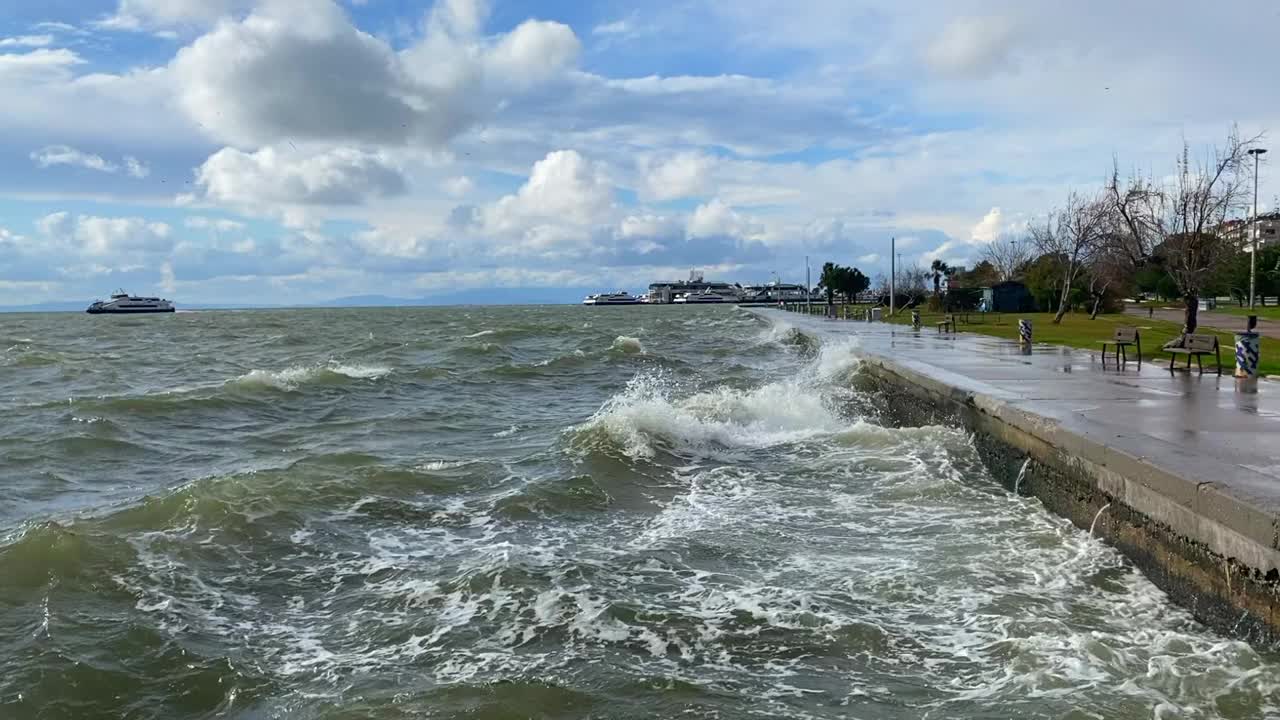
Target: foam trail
1093, 524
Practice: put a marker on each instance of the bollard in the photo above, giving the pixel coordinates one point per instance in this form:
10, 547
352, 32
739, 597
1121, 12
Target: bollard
1024, 335
915, 319
1247, 352
875, 314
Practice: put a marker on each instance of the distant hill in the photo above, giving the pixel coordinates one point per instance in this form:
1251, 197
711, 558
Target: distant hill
478, 296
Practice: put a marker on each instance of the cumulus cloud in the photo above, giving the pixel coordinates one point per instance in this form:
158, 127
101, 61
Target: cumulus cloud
338, 176
564, 190
685, 174
716, 219
106, 237
135, 167
278, 75
38, 65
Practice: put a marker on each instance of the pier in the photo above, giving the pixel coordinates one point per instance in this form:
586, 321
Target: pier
1180, 471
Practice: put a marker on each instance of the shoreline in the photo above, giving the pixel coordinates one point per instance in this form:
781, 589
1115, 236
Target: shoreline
1203, 525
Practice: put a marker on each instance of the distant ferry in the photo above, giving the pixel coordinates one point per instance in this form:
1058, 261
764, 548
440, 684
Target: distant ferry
699, 298
617, 298
122, 302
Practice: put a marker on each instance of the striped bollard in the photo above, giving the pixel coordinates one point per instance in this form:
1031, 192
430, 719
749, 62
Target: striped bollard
1024, 336
915, 319
1247, 351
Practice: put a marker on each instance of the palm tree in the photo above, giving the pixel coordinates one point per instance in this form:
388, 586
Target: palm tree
939, 269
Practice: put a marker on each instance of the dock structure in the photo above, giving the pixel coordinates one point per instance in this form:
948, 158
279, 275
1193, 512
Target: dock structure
1179, 471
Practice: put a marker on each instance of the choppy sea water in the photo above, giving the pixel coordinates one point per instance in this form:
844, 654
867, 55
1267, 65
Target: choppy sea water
556, 512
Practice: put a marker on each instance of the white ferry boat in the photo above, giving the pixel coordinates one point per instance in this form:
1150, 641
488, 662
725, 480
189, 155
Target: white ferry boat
122, 302
617, 298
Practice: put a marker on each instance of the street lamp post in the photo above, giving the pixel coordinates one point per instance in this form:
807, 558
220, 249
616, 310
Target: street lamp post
1254, 229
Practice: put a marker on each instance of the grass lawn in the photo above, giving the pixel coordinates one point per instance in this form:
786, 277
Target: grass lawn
1078, 331
1270, 312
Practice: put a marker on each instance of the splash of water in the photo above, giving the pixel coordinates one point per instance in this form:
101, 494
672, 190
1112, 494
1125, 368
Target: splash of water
1021, 474
1094, 524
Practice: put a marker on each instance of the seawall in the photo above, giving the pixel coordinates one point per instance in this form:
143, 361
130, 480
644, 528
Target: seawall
1180, 473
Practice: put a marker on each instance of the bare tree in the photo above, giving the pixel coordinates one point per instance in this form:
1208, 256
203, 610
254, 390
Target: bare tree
1110, 268
1074, 235
1178, 219
915, 283
1007, 254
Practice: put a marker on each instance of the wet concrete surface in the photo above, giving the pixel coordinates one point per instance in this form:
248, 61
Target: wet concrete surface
1193, 438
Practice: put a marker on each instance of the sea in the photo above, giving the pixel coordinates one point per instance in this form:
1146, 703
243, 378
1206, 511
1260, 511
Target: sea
539, 512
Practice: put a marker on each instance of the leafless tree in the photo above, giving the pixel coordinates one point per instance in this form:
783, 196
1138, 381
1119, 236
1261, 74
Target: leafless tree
1178, 219
915, 283
1074, 235
1110, 268
1007, 254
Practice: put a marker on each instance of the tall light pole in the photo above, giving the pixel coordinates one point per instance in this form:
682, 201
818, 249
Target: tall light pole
1254, 229
808, 286
893, 275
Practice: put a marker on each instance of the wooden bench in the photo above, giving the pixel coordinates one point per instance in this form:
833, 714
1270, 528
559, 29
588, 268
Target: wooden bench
947, 323
1197, 346
1124, 337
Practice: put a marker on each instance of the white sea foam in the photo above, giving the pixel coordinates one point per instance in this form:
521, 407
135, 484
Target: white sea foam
482, 333
292, 377
628, 345
651, 408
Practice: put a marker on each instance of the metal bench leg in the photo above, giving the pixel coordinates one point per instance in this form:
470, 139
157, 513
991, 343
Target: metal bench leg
1173, 358
1199, 363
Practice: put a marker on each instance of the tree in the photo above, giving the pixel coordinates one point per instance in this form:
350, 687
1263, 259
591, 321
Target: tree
1108, 271
852, 282
914, 284
1008, 255
1074, 236
1177, 218
939, 270
829, 280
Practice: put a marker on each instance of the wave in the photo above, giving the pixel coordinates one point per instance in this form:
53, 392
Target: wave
291, 378
628, 345
649, 413
482, 333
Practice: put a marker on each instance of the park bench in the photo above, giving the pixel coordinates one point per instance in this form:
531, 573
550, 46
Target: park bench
1196, 346
948, 324
1122, 338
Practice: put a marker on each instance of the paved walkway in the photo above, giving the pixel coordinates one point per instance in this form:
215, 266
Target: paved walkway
1215, 320
1197, 427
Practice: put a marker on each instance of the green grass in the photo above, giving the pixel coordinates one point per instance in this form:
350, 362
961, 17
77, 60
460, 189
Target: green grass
1078, 331
1270, 312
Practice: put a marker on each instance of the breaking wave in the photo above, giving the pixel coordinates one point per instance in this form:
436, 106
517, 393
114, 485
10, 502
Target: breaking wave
291, 378
654, 412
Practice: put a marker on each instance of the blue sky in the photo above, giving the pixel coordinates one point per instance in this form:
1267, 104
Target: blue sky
297, 150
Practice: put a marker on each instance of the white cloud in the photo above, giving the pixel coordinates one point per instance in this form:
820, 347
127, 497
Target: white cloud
685, 174
617, 27
716, 219
38, 65
135, 167
534, 52
107, 237
563, 190
458, 186
270, 176
988, 228
279, 75
150, 14
972, 45
27, 41
66, 155
200, 222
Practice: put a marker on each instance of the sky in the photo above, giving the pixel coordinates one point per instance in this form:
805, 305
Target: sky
293, 151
